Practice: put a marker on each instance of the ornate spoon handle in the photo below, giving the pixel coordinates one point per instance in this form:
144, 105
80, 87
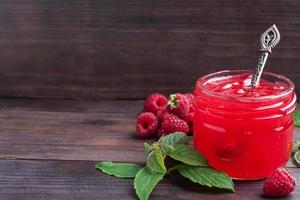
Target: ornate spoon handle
268, 40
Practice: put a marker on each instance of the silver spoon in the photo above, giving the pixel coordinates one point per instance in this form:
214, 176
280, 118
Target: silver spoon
268, 40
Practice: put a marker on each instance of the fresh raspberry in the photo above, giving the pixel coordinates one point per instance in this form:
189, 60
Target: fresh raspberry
190, 116
155, 102
171, 123
190, 97
160, 114
280, 183
179, 105
146, 125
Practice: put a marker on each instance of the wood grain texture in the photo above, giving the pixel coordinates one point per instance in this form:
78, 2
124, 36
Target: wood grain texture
128, 49
76, 180
72, 130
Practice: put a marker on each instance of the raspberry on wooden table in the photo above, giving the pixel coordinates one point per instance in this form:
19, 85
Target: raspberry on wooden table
160, 114
171, 123
147, 125
280, 183
155, 102
190, 97
190, 116
179, 105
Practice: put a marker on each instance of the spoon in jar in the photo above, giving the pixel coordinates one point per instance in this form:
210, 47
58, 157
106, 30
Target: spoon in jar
268, 40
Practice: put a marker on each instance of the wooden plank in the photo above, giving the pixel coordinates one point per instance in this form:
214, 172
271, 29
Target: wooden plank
128, 49
71, 130
76, 180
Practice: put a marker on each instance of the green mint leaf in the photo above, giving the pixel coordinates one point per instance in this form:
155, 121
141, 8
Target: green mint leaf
122, 170
147, 147
155, 161
296, 146
297, 118
188, 155
145, 181
207, 176
175, 138
297, 157
166, 148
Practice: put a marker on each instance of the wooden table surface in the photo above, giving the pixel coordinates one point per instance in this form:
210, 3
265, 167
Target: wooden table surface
48, 150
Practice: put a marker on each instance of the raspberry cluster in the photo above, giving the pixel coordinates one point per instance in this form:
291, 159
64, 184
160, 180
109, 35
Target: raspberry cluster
162, 116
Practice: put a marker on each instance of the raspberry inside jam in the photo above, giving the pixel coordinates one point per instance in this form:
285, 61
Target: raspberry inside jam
244, 131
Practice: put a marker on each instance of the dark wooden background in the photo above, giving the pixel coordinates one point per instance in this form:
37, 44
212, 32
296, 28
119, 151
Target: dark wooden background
126, 49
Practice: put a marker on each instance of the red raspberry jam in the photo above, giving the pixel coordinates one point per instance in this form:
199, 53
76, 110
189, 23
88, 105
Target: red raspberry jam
244, 131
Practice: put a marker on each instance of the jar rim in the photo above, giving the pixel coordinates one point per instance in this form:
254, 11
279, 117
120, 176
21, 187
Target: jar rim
203, 79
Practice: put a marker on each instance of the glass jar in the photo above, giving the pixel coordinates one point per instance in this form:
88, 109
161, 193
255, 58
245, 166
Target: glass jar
246, 136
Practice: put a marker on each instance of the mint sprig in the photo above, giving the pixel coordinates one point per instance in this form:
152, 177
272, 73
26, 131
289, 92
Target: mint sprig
145, 181
297, 118
188, 155
155, 161
296, 152
207, 176
175, 138
121, 170
296, 145
297, 157
193, 166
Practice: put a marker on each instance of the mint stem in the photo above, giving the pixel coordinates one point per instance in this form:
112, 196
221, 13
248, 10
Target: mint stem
176, 167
